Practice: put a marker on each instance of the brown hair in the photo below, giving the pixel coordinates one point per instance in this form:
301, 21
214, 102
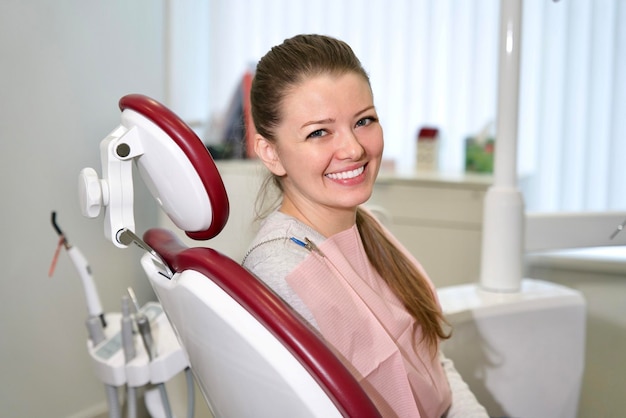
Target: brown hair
403, 277
281, 69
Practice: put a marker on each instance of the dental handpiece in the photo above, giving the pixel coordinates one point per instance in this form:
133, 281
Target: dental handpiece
94, 307
143, 325
128, 340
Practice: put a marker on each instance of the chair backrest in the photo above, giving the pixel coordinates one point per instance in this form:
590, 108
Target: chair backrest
249, 351
251, 355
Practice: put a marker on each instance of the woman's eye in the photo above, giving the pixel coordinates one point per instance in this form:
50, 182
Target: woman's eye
365, 121
317, 134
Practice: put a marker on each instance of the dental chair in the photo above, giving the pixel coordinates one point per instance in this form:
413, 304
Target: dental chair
250, 354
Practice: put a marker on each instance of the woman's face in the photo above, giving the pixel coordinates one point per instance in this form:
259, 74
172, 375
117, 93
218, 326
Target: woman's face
329, 144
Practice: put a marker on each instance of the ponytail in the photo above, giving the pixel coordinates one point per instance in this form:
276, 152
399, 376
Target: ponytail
405, 280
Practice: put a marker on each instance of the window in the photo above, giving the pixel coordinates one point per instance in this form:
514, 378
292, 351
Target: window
433, 62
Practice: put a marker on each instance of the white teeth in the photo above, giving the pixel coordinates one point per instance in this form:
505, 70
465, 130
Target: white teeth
345, 174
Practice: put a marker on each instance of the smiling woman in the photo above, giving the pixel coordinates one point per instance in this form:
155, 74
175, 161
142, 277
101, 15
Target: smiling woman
326, 151
330, 259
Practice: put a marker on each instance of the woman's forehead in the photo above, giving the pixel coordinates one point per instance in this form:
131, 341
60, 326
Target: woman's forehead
327, 92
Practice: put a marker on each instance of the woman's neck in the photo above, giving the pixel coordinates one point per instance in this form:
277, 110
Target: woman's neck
325, 220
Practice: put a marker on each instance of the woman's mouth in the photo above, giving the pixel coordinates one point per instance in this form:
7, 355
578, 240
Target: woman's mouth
345, 175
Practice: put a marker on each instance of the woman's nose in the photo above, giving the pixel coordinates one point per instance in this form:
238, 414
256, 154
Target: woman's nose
349, 147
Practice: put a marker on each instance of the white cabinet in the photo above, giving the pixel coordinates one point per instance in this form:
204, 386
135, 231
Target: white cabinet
438, 218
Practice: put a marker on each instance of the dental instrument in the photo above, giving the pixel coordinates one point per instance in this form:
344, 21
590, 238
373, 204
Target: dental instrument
122, 360
128, 339
142, 320
128, 343
117, 359
143, 325
94, 306
98, 331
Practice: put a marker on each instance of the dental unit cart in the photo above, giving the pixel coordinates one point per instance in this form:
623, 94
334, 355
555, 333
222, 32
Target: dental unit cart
136, 347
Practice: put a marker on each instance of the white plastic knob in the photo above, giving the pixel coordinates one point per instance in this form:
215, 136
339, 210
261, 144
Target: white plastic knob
90, 192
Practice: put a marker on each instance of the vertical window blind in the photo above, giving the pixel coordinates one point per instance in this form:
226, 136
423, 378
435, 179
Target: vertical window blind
434, 63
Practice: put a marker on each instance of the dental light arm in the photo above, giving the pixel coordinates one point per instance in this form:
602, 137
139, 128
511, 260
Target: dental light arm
507, 231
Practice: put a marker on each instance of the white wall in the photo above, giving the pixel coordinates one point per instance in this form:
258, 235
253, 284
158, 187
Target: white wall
64, 65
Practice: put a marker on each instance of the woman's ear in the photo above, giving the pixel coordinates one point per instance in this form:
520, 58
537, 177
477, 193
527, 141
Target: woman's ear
266, 151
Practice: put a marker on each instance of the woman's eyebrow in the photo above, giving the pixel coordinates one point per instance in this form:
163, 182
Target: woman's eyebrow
331, 120
367, 109
316, 122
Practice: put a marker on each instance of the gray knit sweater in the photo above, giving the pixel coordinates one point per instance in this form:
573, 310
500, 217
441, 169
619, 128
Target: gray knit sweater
272, 255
